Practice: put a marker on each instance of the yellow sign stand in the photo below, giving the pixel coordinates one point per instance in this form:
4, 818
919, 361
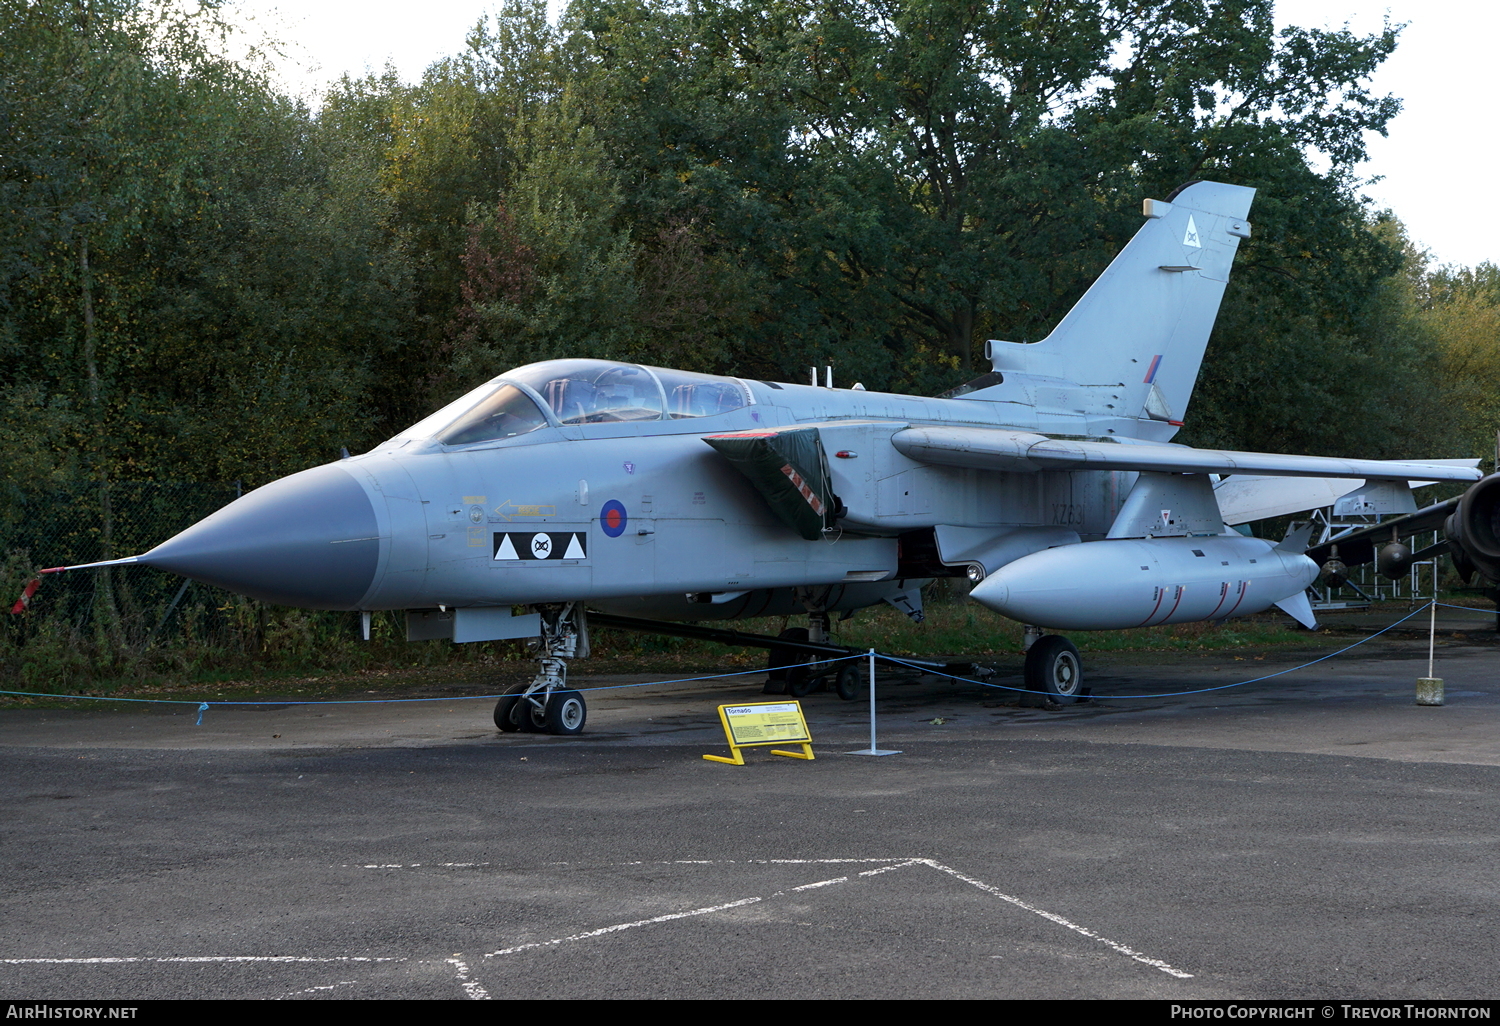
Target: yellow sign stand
761, 724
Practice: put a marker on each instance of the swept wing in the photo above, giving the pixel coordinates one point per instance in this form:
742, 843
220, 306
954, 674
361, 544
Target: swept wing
1002, 449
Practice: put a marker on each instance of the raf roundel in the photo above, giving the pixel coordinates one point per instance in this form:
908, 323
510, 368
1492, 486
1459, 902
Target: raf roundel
612, 518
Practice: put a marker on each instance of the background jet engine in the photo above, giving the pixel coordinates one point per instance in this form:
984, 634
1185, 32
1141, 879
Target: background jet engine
1473, 530
1112, 585
1469, 523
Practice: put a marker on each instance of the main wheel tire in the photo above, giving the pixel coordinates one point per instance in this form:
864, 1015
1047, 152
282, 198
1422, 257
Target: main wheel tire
566, 713
776, 678
1054, 668
849, 680
508, 709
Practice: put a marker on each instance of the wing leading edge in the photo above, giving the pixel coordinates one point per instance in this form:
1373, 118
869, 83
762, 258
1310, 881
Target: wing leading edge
1026, 451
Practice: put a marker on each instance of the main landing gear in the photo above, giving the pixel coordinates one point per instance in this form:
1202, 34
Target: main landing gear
546, 706
789, 672
1053, 667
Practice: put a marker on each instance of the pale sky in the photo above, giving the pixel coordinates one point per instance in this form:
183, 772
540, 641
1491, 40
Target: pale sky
1436, 168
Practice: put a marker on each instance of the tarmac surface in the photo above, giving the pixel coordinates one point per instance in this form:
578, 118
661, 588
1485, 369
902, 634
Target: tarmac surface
1316, 835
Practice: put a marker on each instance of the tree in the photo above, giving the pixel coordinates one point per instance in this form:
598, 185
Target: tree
902, 179
1462, 311
215, 281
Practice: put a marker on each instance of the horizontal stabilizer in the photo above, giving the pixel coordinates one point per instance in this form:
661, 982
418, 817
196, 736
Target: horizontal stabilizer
1245, 498
991, 549
1383, 498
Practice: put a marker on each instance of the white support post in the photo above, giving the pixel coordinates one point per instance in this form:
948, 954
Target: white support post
873, 749
1430, 688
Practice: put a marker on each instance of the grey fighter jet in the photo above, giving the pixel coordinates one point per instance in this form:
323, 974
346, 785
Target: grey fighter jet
654, 496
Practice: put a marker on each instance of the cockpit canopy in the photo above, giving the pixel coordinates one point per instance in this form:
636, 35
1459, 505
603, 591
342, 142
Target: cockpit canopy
568, 392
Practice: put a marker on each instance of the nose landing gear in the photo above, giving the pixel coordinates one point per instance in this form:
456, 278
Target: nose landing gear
546, 705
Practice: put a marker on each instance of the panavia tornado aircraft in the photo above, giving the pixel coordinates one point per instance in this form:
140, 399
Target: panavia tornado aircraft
659, 498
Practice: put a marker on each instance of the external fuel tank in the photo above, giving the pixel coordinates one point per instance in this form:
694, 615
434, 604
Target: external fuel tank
1117, 584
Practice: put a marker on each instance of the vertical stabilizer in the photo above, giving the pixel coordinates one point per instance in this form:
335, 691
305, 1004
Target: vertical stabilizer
1128, 352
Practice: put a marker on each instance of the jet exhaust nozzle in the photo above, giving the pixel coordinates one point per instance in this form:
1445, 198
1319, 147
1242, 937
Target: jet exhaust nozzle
1473, 530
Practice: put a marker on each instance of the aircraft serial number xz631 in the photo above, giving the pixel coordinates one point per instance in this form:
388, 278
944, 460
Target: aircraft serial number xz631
666, 496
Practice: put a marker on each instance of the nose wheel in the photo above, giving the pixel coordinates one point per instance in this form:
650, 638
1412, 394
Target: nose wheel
1054, 668
527, 711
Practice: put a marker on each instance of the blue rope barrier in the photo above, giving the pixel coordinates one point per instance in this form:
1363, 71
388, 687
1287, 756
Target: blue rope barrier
1472, 609
1200, 691
203, 706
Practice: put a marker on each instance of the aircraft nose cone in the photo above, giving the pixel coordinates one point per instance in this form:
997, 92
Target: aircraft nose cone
307, 540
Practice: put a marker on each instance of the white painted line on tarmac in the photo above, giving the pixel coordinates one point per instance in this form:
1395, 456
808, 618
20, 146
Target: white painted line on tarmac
764, 862
622, 926
419, 865
659, 862
314, 990
193, 959
1155, 963
472, 988
1053, 917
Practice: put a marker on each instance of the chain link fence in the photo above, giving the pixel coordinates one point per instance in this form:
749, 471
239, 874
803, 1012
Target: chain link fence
97, 631
87, 523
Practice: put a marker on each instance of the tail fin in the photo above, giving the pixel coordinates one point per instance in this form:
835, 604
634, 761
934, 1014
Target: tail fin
1128, 353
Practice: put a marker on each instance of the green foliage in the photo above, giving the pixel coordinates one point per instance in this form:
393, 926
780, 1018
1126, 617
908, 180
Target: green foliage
211, 289
1461, 311
902, 180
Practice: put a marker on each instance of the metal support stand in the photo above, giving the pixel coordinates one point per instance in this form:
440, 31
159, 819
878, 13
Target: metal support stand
873, 749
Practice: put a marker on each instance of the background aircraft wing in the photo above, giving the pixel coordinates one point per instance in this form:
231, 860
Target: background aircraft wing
1004, 449
1358, 546
1244, 498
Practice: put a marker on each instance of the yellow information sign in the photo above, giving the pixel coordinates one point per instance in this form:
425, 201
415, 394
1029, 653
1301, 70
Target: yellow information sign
764, 723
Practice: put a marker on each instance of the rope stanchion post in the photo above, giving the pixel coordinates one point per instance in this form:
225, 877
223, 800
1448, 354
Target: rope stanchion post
1430, 688
874, 749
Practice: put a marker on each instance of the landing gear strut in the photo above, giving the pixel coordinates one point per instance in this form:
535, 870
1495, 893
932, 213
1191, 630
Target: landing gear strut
546, 706
790, 674
779, 677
